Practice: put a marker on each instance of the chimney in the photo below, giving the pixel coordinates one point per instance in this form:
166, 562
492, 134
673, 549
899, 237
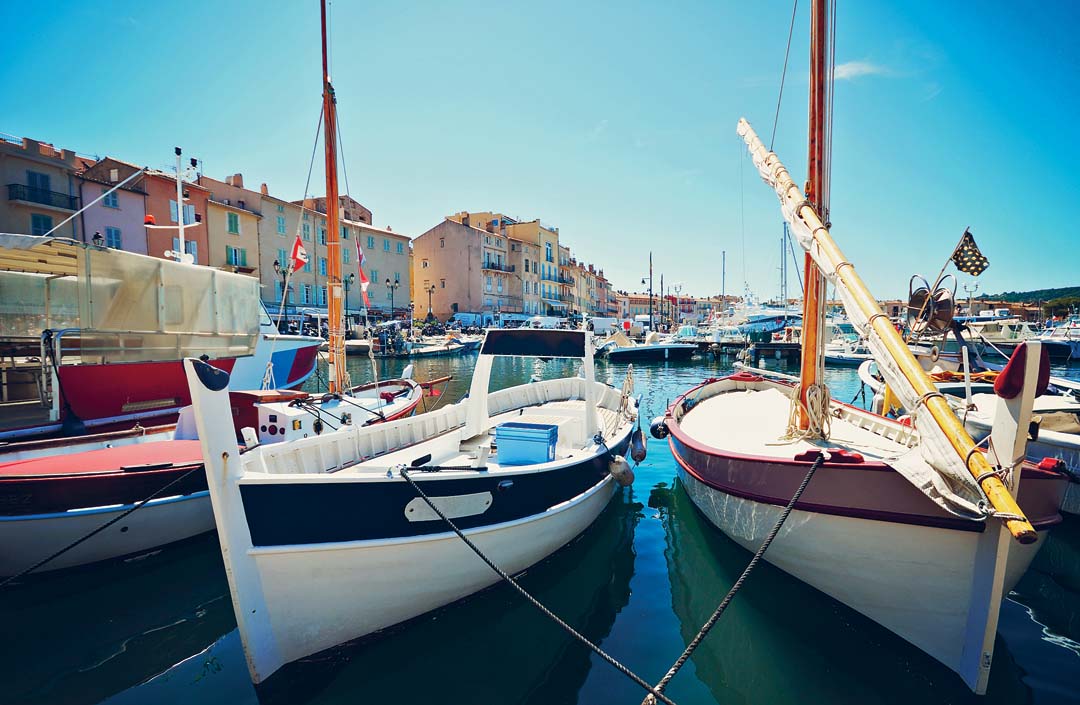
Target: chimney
264, 190
229, 180
238, 180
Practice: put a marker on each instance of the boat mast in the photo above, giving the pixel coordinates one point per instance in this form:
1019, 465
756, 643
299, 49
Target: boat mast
335, 324
812, 370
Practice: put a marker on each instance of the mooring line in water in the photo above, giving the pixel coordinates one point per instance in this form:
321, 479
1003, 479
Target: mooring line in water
711, 622
654, 693
138, 505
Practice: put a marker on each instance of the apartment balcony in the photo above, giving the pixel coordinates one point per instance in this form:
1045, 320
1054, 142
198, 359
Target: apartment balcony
568, 281
549, 278
495, 266
21, 193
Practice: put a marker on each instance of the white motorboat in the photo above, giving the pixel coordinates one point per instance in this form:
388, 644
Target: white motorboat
618, 348
325, 540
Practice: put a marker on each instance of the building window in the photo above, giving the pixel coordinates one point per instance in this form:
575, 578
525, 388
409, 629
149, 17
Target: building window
371, 242
111, 200
442, 283
307, 266
535, 269
526, 265
424, 264
307, 231
322, 266
37, 181
322, 236
280, 208
498, 242
307, 217
40, 224
305, 294
487, 282
442, 242
113, 239
397, 276
375, 275
345, 255
281, 224
232, 223
547, 252
282, 262
385, 245
235, 256
189, 213
401, 248
322, 296
344, 233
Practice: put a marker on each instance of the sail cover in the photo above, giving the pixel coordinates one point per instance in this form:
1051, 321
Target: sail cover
934, 465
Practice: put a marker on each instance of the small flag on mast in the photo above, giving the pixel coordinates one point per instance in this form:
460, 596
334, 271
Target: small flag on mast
967, 257
299, 254
364, 281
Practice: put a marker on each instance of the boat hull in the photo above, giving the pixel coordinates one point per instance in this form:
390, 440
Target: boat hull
326, 594
651, 352
872, 547
30, 538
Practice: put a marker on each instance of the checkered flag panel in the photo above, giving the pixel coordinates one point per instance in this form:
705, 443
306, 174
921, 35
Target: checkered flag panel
967, 257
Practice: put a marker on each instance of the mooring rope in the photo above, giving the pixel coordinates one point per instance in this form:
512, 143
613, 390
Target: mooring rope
654, 693
711, 622
106, 525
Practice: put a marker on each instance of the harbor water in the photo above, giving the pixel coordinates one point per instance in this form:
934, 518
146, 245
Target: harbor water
639, 582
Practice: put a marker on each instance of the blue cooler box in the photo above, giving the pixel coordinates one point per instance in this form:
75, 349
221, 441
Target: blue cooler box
526, 443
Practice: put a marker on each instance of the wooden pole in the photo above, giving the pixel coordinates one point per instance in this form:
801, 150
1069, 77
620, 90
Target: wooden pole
940, 413
810, 369
334, 323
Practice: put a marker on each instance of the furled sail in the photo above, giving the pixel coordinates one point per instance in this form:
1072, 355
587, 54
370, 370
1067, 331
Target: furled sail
944, 465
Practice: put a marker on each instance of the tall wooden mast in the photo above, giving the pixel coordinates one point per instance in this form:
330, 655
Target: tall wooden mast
335, 323
812, 368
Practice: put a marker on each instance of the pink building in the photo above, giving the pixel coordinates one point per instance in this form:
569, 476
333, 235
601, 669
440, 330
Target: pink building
118, 218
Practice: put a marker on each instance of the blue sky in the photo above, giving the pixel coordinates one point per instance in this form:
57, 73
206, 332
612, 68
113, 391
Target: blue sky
613, 121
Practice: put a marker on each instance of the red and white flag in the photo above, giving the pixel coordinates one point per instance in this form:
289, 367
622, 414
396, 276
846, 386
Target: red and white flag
364, 281
299, 254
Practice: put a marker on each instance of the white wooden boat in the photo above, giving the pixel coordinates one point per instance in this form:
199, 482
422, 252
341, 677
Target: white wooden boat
908, 524
325, 541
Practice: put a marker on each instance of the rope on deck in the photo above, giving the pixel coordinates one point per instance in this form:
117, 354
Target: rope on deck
711, 622
654, 693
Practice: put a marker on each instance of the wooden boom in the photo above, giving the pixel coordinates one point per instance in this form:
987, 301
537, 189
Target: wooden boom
835, 261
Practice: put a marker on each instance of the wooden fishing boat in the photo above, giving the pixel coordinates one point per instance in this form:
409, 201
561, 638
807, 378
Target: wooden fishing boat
308, 525
909, 524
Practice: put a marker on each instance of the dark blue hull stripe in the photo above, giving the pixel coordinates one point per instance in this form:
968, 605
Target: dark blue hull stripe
329, 512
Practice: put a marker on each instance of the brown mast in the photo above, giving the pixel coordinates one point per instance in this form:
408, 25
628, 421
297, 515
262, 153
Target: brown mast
812, 365
336, 371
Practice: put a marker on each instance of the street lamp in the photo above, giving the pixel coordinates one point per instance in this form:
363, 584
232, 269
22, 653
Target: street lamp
347, 282
283, 272
430, 291
391, 286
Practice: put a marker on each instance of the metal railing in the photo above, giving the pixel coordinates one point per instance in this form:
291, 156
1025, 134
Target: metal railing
563, 279
499, 267
22, 192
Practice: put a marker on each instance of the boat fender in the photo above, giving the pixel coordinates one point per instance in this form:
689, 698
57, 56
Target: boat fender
905, 420
317, 426
638, 449
877, 405
658, 428
621, 471
934, 354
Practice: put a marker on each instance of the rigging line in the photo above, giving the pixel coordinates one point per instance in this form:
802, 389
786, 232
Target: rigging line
783, 74
653, 692
742, 218
696, 641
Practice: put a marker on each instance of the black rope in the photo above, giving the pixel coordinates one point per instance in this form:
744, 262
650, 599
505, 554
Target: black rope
532, 600
783, 74
106, 525
707, 627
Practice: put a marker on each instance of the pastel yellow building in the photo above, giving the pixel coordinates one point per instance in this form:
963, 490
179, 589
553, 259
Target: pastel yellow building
233, 224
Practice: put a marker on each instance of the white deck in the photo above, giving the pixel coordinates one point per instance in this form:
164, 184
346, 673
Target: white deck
754, 422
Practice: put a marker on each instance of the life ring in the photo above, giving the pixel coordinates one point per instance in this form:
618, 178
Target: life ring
934, 353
